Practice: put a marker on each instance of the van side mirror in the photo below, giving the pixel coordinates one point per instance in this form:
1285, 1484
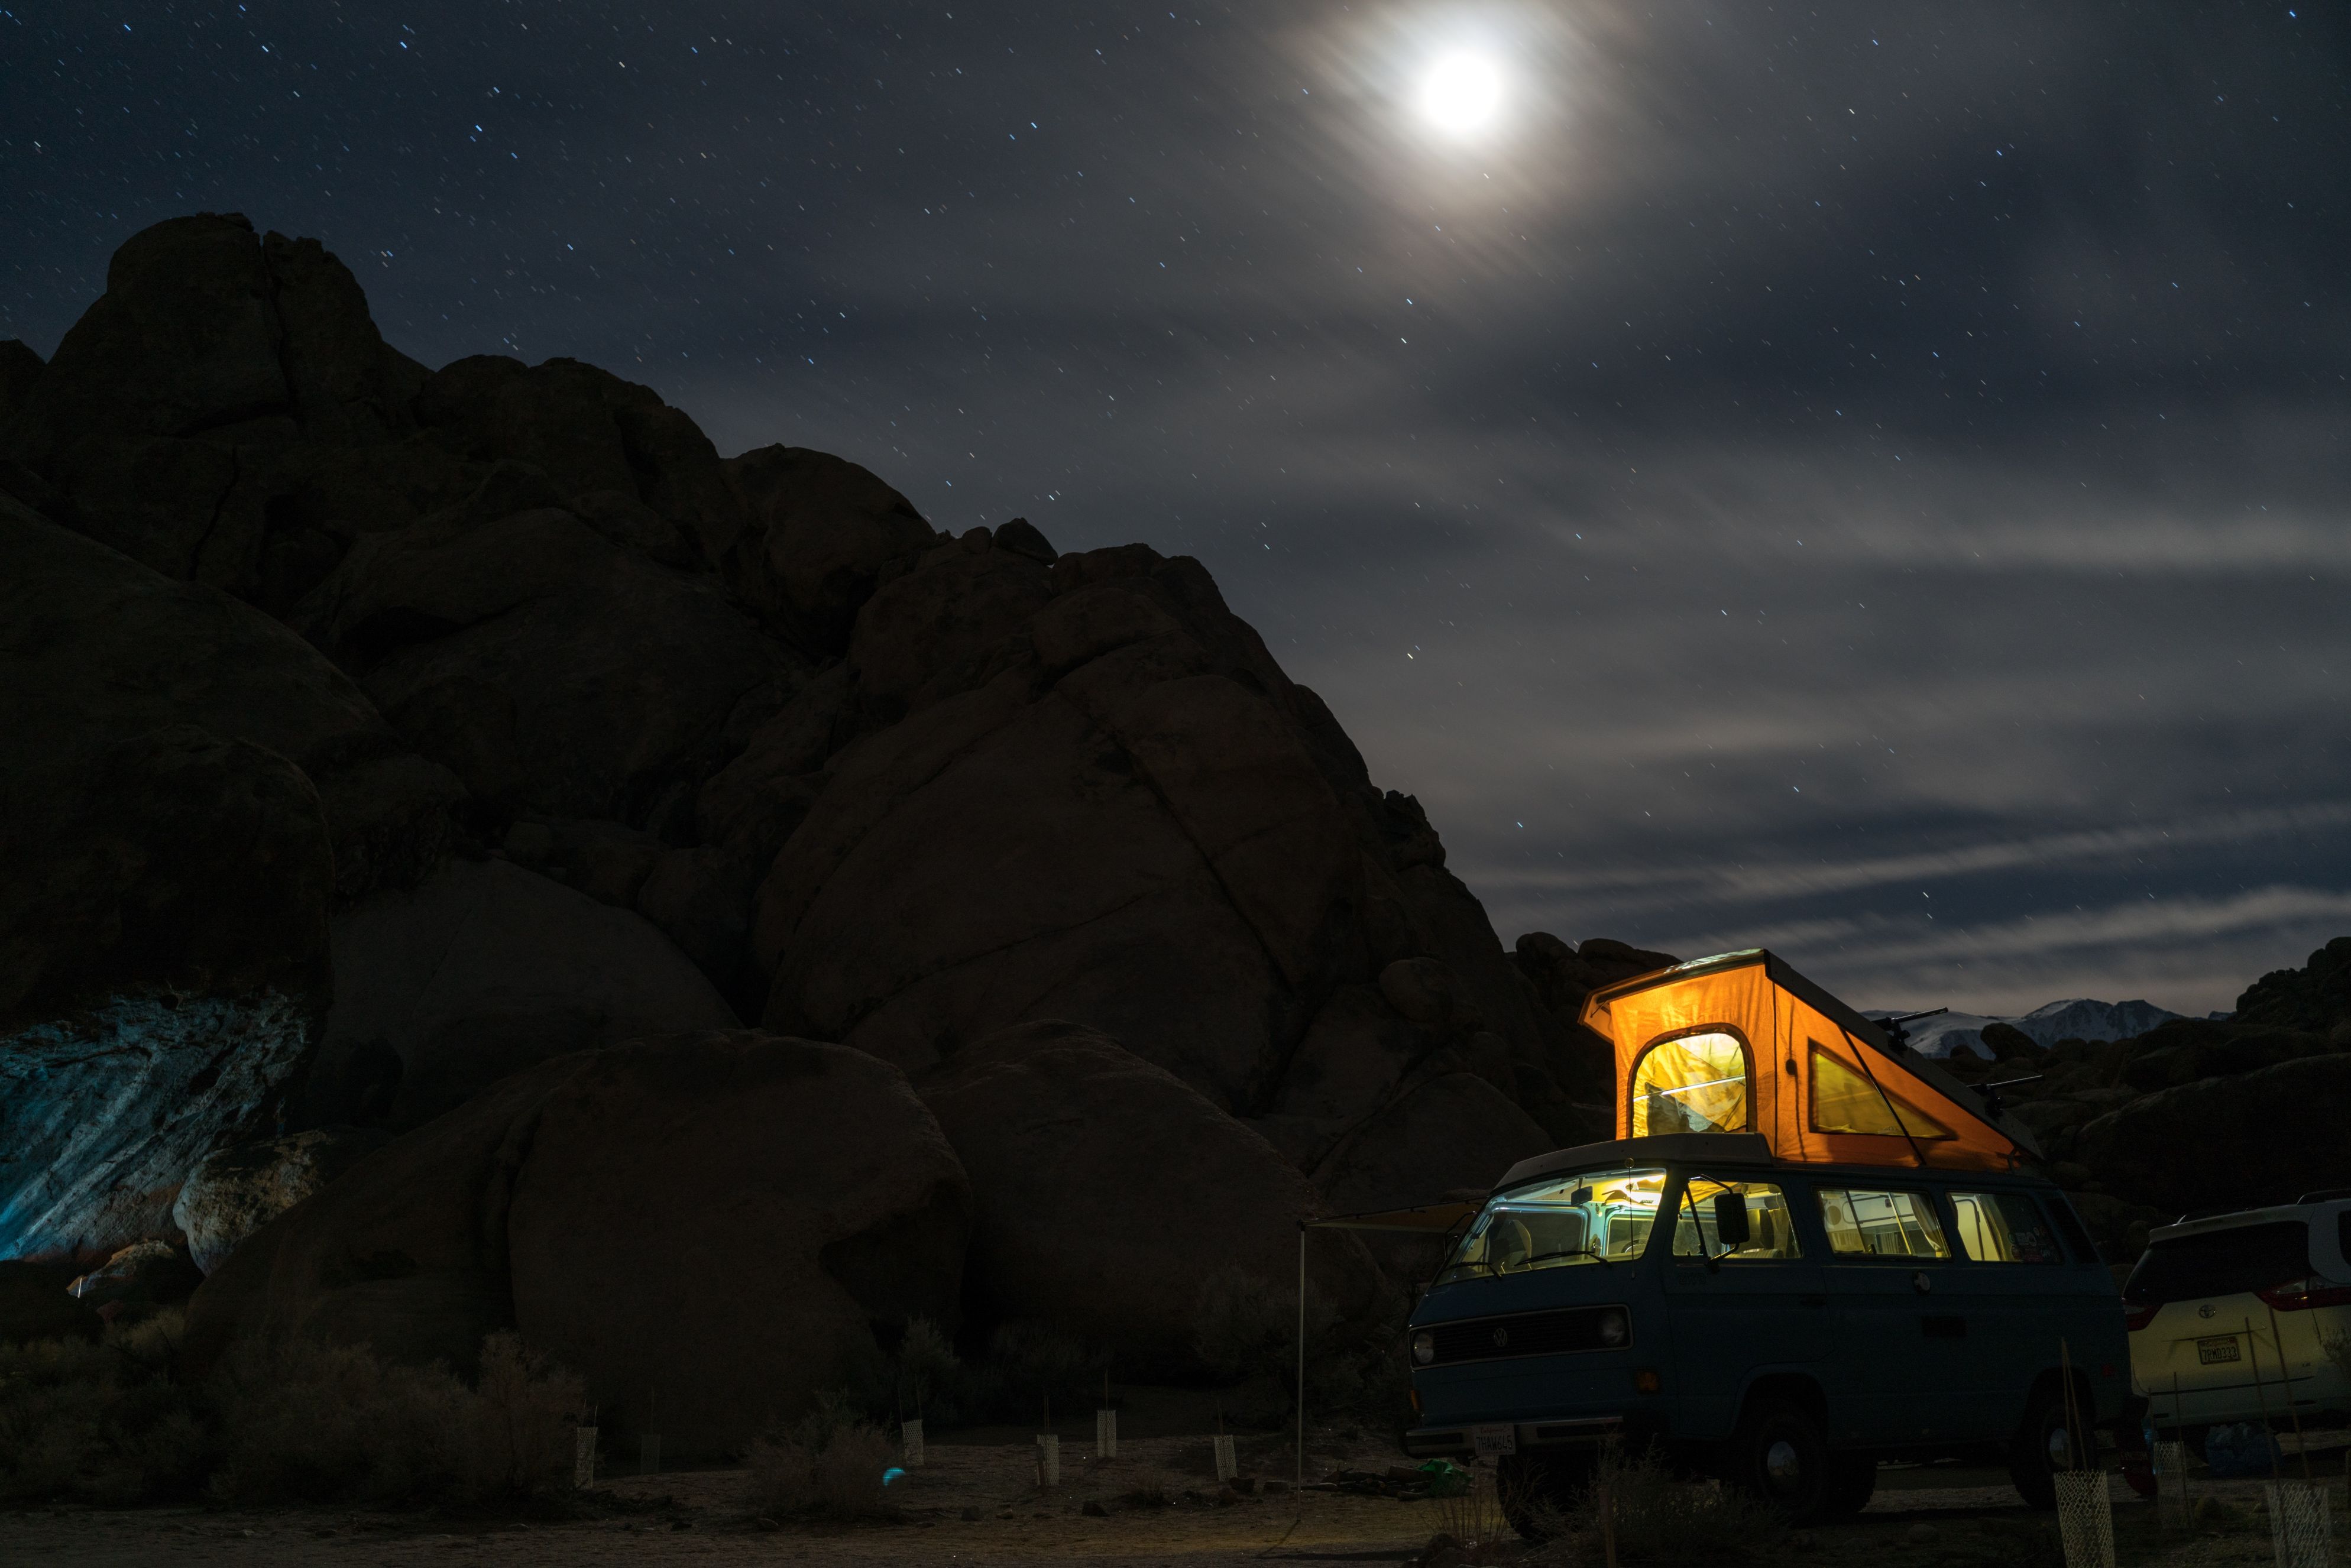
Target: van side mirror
1730, 1227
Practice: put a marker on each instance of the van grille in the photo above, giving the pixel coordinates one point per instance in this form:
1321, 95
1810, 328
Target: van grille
1530, 1333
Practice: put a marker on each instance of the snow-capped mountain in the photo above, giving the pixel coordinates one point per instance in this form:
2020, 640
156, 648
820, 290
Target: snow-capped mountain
2076, 1018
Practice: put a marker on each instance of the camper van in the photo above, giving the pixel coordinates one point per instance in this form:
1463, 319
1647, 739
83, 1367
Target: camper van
1807, 1249
2245, 1317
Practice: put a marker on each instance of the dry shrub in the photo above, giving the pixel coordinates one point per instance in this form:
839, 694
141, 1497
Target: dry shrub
1472, 1519
102, 1423
824, 1469
1660, 1517
111, 1423
313, 1423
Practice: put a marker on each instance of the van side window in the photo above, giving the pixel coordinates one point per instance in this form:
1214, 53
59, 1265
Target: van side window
1880, 1224
2003, 1227
1770, 1233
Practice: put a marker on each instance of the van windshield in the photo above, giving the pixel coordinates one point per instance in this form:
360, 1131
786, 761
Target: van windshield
2222, 1262
1591, 1217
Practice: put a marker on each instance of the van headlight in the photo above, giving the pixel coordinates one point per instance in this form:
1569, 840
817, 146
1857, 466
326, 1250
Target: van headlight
1424, 1348
1613, 1329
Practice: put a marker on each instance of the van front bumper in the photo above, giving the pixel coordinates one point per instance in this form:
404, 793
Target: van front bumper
1434, 1442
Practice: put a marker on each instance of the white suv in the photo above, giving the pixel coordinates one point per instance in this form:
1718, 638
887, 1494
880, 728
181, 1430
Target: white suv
2244, 1317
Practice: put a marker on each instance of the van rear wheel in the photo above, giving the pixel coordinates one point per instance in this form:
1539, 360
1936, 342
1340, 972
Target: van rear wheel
2042, 1446
1779, 1455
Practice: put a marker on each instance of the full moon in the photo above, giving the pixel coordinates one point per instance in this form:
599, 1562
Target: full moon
1460, 93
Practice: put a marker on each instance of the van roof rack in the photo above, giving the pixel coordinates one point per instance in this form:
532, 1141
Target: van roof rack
2325, 1195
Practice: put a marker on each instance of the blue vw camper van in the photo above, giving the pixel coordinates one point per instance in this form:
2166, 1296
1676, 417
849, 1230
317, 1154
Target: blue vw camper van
1809, 1250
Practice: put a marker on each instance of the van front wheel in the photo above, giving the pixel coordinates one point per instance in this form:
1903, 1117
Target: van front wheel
1779, 1455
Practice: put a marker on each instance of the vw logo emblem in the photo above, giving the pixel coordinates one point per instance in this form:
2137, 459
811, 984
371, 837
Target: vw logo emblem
2208, 1311
1501, 1338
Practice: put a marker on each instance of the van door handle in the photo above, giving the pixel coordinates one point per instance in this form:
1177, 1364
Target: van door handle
1812, 1301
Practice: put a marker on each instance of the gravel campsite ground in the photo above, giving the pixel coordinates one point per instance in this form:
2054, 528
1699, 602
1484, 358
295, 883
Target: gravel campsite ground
977, 1503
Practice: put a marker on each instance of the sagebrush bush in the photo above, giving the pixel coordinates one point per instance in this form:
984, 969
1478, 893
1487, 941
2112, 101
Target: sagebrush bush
1245, 1328
113, 1423
100, 1423
321, 1423
1661, 1517
824, 1471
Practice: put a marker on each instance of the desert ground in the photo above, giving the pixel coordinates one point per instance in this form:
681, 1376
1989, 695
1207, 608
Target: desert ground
977, 1502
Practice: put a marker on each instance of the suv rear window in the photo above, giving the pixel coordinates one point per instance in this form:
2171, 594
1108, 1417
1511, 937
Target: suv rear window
2222, 1262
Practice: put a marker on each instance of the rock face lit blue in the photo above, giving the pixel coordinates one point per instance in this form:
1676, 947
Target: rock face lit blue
103, 1114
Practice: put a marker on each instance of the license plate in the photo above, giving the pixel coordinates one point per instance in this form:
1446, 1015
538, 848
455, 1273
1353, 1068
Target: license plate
2212, 1352
1493, 1442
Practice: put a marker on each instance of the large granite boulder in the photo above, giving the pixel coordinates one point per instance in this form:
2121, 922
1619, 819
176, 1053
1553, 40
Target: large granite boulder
589, 431
236, 1191
821, 534
204, 414
487, 968
1085, 791
557, 666
709, 1229
187, 790
1106, 1191
2252, 1138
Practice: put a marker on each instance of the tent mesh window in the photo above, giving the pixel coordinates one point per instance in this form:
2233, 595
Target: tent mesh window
1845, 1100
1693, 1083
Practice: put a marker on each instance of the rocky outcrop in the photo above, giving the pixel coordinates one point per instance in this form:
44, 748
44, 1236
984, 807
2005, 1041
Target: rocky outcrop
707, 1228
589, 733
1105, 1191
237, 1190
1083, 789
2194, 1115
138, 1281
187, 790
559, 668
34, 1305
443, 990
2247, 1139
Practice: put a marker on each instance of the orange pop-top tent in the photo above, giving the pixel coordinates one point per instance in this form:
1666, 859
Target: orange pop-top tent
1743, 1043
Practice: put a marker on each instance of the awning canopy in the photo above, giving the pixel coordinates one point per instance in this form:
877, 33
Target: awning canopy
1741, 1042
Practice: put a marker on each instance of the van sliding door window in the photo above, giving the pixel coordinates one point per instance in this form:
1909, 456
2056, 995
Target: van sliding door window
2003, 1227
1770, 1233
1863, 1223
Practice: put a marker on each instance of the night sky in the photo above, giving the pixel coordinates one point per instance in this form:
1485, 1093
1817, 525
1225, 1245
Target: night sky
1869, 481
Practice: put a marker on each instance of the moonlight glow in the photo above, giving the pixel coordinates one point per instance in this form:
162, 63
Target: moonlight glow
1460, 93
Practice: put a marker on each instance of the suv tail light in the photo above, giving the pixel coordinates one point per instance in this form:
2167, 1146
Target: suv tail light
2301, 1295
2137, 1316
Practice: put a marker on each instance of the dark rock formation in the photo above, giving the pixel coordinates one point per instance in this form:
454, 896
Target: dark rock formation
34, 1305
1105, 1191
237, 1190
707, 1228
486, 969
596, 736
186, 787
137, 1281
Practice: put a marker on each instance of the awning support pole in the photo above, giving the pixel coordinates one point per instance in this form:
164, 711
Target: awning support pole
1302, 1355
